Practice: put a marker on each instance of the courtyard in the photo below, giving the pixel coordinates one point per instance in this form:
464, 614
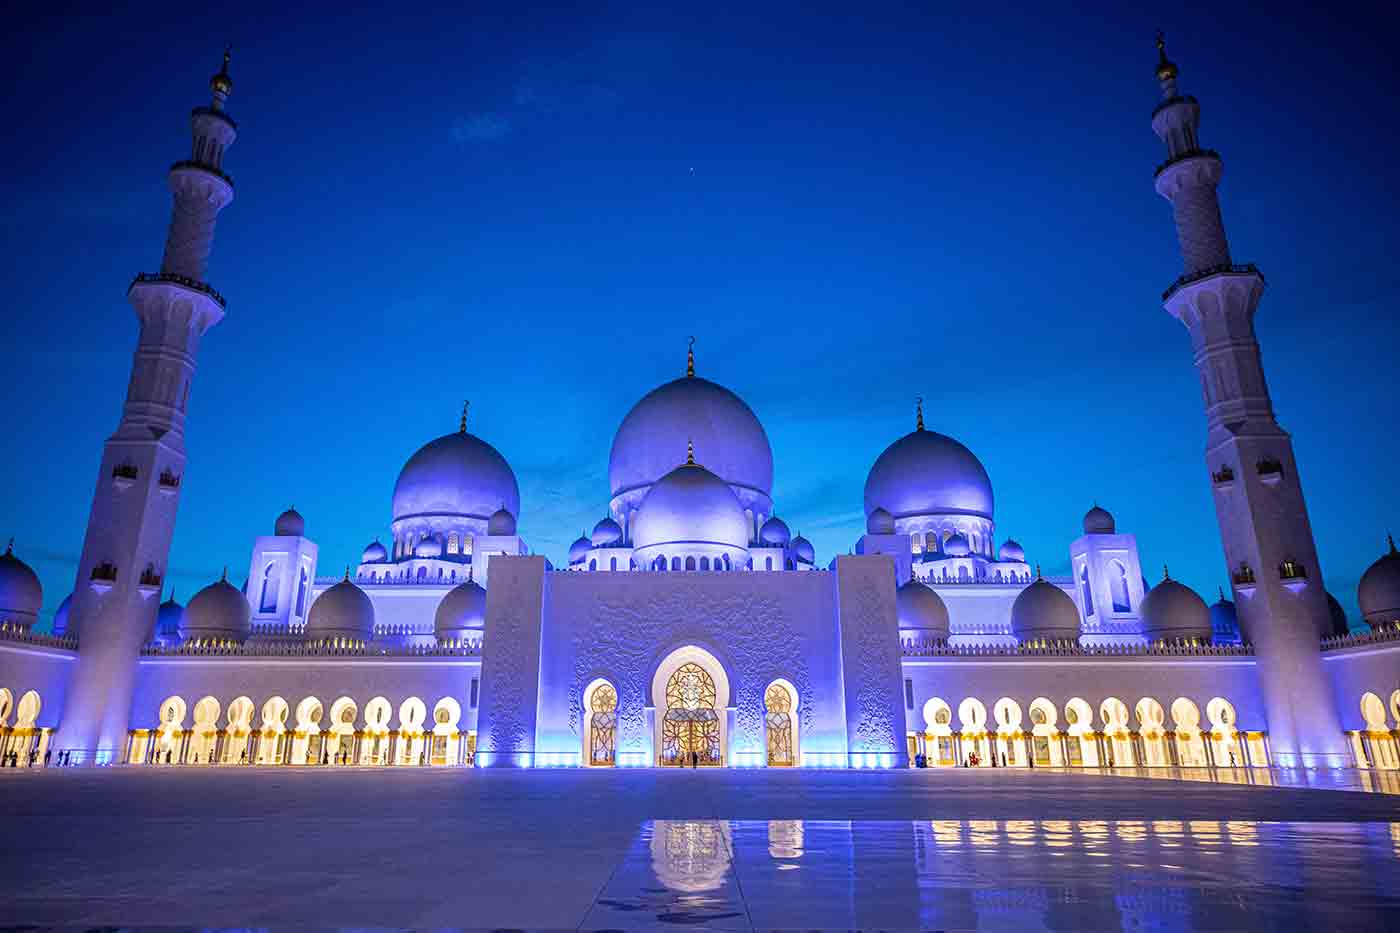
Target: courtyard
723, 849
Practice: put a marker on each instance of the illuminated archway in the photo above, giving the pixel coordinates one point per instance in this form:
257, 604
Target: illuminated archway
690, 690
599, 724
780, 724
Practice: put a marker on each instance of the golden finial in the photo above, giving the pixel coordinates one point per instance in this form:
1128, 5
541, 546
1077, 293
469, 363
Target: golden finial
221, 84
1037, 572
690, 453
1166, 71
224, 578
347, 573
1166, 574
919, 407
462, 428
690, 358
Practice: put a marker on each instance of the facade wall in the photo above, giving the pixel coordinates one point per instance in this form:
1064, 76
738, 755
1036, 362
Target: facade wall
1355, 672
47, 671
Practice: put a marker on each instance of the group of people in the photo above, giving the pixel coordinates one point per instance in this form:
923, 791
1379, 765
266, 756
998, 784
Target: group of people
973, 760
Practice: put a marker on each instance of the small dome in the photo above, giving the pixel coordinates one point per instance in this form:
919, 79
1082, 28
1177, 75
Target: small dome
879, 522
1012, 551
374, 553
919, 607
579, 549
289, 524
501, 524
927, 473
430, 546
1044, 611
1379, 590
343, 611
463, 608
606, 533
957, 545
1098, 521
217, 611
1224, 623
169, 620
1337, 618
691, 505
1172, 611
60, 616
21, 595
775, 533
802, 550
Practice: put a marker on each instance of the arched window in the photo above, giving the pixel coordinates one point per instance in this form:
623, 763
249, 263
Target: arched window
768, 562
301, 593
593, 563
452, 543
963, 575
675, 563
704, 563
612, 563
931, 542
272, 579
1118, 583
1086, 592
422, 573
659, 564
916, 544
726, 562
778, 704
602, 725
690, 563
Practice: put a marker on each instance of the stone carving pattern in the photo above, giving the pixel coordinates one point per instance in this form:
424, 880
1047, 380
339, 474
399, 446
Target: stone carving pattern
877, 656
505, 653
620, 638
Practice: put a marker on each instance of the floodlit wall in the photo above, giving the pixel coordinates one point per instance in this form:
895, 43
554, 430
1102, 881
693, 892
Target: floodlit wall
46, 670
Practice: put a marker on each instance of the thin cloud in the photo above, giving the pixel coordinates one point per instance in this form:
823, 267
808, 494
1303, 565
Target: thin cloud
481, 128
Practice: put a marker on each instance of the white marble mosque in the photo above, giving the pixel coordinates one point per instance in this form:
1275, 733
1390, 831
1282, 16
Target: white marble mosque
690, 626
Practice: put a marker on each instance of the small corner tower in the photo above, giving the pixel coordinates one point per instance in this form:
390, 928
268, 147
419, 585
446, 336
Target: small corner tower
1107, 580
132, 519
280, 576
1259, 503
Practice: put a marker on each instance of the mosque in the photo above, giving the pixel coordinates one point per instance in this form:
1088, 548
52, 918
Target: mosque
691, 626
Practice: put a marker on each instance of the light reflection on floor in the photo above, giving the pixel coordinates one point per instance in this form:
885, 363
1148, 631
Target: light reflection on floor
1365, 781
1158, 875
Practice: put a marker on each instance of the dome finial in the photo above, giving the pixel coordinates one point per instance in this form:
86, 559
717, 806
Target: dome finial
221, 84
347, 573
462, 428
919, 408
10, 548
1166, 71
690, 358
1221, 590
224, 576
690, 453
1166, 574
1037, 572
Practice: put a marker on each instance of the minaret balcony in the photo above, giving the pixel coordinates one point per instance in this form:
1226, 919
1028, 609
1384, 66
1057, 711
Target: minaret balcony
184, 281
1243, 579
1199, 275
150, 582
1186, 156
103, 576
124, 475
187, 164
169, 482
1293, 574
1223, 478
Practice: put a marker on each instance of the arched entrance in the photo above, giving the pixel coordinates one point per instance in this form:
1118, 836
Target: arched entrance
780, 726
600, 731
690, 691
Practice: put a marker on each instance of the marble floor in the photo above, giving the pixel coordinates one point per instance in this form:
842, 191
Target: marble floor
644, 849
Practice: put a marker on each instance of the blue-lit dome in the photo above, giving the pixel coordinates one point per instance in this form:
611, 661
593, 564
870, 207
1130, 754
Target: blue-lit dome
430, 546
1337, 617
343, 611
606, 533
461, 610
802, 550
1379, 590
501, 524
1043, 611
1224, 623
775, 533
169, 622
957, 545
919, 608
879, 522
927, 473
1098, 521
289, 524
456, 476
727, 436
60, 616
690, 506
21, 595
218, 611
1012, 551
579, 549
374, 553
1172, 611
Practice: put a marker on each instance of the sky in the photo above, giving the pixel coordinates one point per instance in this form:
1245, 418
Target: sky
848, 205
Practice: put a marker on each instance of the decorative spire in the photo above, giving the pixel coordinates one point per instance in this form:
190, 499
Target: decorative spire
1166, 574
224, 577
1037, 572
347, 574
221, 84
1221, 590
10, 548
462, 428
919, 408
1166, 70
1389, 540
690, 453
690, 359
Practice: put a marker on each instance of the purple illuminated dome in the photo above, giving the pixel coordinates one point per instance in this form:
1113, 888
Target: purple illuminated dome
690, 508
218, 611
607, 533
374, 553
1011, 551
289, 524
579, 549
920, 609
456, 476
1044, 611
775, 533
462, 609
501, 523
690, 409
927, 473
1379, 591
20, 592
343, 611
1172, 611
1099, 521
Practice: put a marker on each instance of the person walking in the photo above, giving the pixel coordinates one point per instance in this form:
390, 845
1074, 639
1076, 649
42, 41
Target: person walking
48, 754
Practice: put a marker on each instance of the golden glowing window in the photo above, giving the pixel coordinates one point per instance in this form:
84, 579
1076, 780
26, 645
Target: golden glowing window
452, 543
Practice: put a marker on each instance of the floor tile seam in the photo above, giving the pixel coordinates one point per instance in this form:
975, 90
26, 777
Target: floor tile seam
611, 875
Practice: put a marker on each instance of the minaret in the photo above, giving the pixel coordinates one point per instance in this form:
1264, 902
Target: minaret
138, 484
1259, 504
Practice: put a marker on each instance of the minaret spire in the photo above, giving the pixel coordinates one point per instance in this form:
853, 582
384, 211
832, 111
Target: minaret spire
1268, 542
131, 523
919, 417
690, 453
690, 359
462, 429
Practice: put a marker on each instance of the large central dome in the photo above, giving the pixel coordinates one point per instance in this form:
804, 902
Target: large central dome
456, 475
927, 473
728, 439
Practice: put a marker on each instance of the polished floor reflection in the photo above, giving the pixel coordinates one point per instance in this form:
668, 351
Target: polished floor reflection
1005, 875
1363, 780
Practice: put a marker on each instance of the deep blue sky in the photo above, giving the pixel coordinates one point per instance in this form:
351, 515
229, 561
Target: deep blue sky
848, 206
